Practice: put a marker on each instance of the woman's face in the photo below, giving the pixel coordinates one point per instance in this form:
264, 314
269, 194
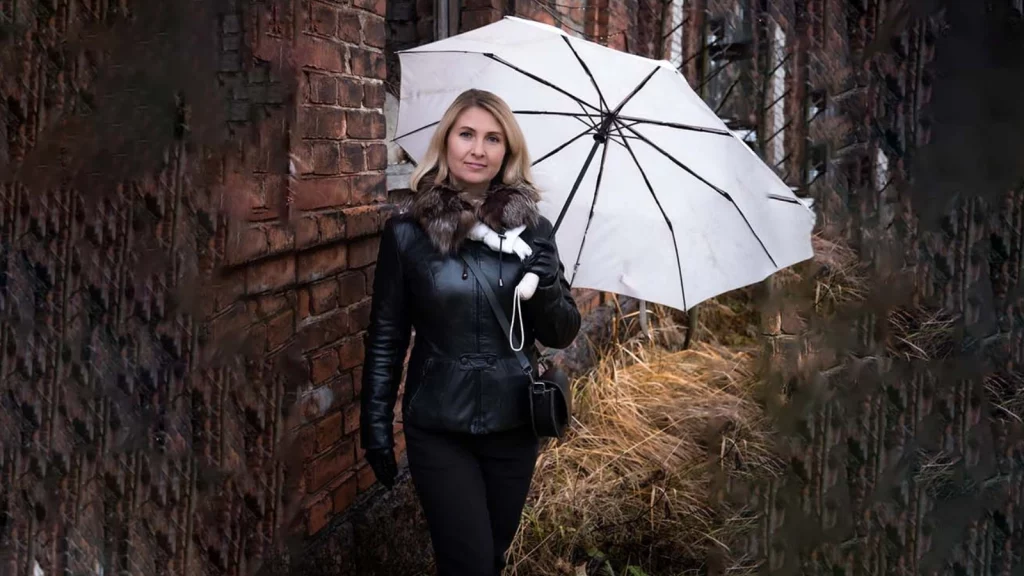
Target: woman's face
476, 148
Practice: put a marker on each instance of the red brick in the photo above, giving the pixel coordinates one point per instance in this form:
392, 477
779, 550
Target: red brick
472, 19
351, 353
323, 367
345, 494
352, 288
367, 63
331, 465
343, 390
280, 329
365, 478
363, 221
370, 272
270, 304
324, 296
328, 431
319, 513
482, 4
323, 89
352, 158
321, 262
348, 27
326, 158
363, 252
376, 156
324, 19
319, 193
373, 95
321, 54
357, 381
350, 92
365, 125
325, 330
272, 274
328, 123
307, 232
373, 31
332, 224
369, 188
305, 442
352, 418
302, 308
359, 315
378, 7
280, 238
248, 244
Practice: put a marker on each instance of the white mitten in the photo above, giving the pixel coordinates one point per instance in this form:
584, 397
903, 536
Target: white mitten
528, 285
512, 244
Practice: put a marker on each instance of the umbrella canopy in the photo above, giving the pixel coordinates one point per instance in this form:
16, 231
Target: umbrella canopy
651, 194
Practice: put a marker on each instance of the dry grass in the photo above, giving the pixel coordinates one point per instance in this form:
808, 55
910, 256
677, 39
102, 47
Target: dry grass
921, 334
834, 277
633, 478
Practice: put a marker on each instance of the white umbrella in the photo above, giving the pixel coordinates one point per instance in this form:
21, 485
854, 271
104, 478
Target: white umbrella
651, 195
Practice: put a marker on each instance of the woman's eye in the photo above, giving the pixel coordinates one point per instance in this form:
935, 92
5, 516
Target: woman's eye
494, 139
465, 134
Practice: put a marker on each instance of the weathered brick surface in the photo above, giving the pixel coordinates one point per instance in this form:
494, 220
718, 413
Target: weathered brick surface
179, 321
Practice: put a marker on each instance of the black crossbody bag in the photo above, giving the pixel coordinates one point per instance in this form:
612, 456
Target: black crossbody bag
549, 398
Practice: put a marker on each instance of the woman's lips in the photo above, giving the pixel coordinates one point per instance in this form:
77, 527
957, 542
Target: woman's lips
475, 166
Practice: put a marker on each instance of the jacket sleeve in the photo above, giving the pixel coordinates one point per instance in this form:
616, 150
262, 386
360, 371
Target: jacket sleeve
387, 340
553, 311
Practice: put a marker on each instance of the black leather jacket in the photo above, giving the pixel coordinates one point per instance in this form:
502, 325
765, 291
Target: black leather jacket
463, 375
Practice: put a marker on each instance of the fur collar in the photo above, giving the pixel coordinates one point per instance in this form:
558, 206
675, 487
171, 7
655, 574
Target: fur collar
447, 215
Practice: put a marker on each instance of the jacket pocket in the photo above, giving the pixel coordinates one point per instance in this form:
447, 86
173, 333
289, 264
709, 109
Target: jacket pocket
421, 383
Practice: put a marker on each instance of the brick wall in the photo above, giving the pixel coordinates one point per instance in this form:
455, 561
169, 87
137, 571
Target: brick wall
186, 272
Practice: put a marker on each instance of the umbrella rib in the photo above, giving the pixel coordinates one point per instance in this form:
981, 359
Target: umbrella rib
420, 129
575, 186
784, 199
723, 193
590, 217
668, 221
562, 147
582, 117
636, 90
600, 95
555, 113
676, 125
536, 78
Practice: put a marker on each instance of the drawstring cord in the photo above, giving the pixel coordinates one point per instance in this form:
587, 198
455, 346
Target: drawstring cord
501, 260
517, 311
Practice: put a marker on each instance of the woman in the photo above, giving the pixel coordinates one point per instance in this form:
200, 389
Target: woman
471, 450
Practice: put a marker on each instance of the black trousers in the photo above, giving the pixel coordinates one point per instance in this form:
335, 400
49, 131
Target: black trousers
472, 489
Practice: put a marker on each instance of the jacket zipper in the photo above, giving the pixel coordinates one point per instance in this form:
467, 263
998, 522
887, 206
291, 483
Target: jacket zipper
479, 378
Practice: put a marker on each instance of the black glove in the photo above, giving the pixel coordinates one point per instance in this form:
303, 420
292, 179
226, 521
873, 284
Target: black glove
544, 261
385, 468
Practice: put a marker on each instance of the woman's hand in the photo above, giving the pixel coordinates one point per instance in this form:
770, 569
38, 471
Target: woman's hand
544, 262
384, 465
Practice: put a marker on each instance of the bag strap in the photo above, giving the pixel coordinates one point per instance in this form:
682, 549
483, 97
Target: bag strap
498, 312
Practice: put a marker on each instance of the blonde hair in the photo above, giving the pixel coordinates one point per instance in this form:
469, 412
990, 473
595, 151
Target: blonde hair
515, 169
